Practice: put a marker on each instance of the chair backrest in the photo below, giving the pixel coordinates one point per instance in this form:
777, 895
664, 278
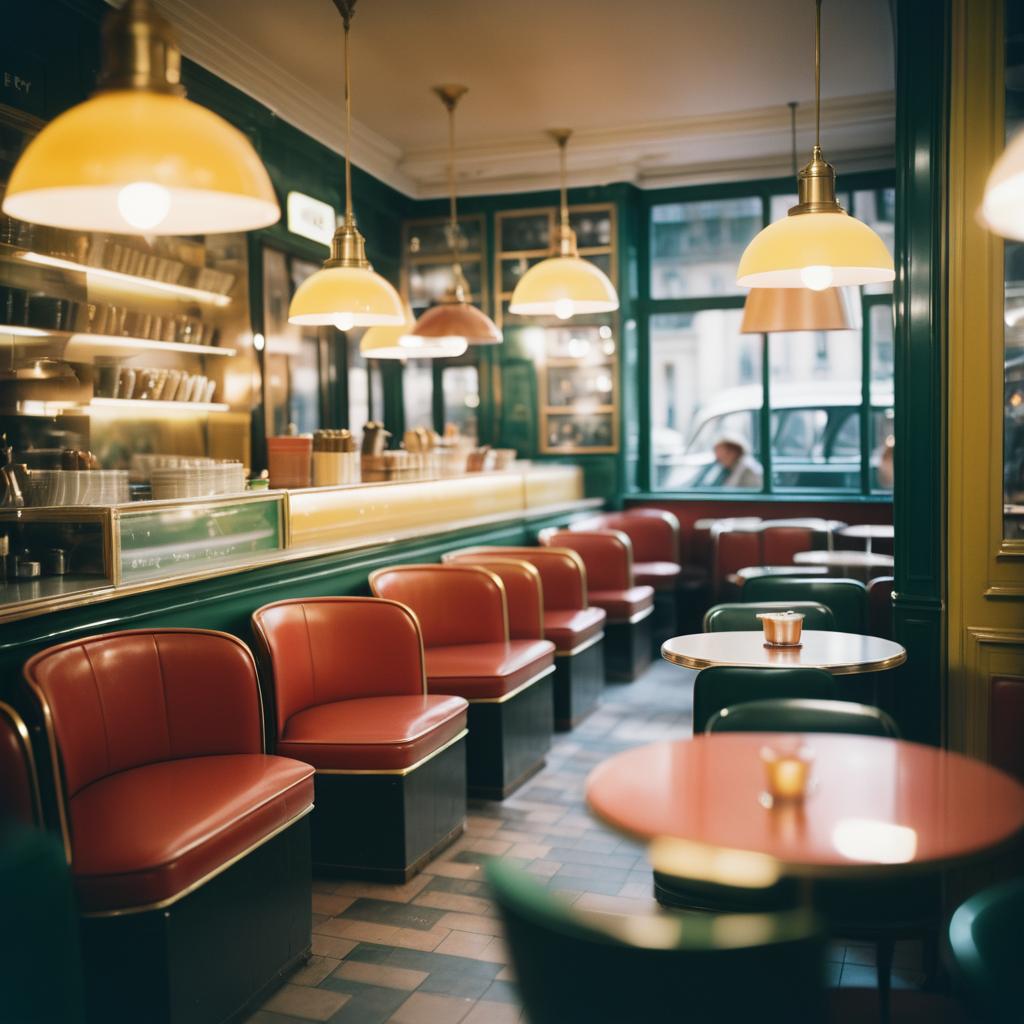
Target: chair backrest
846, 598
576, 966
19, 784
792, 715
730, 618
880, 606
653, 532
607, 554
326, 649
725, 686
780, 542
734, 550
563, 575
523, 591
122, 700
984, 937
455, 604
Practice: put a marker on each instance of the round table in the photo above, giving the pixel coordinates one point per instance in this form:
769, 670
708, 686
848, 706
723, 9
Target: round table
875, 806
838, 653
862, 561
869, 532
751, 572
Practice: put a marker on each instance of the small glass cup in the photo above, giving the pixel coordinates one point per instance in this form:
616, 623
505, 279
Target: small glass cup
782, 629
787, 773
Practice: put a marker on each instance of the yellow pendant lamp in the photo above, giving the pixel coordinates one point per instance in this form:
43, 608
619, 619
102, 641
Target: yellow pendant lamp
137, 156
347, 292
453, 319
564, 285
772, 310
1002, 208
818, 245
400, 343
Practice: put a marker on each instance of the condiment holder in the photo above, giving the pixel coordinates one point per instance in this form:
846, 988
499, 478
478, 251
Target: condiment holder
787, 774
782, 629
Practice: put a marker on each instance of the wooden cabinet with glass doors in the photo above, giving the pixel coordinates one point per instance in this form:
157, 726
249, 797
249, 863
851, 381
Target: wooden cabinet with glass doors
577, 360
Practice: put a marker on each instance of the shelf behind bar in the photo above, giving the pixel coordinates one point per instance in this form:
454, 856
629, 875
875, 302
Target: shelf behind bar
83, 347
130, 282
138, 404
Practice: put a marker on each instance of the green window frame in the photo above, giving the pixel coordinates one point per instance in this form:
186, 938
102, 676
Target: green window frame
648, 307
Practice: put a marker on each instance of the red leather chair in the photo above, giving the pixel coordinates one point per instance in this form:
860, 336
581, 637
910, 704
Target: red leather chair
736, 546
350, 698
654, 534
780, 542
608, 557
574, 627
184, 838
39, 912
463, 613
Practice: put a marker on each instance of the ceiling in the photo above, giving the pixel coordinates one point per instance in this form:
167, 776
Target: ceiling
657, 91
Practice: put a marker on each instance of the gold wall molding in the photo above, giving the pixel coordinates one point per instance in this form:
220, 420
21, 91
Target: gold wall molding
985, 583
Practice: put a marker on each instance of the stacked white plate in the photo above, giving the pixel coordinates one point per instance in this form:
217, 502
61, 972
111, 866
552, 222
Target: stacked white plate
78, 487
143, 464
197, 481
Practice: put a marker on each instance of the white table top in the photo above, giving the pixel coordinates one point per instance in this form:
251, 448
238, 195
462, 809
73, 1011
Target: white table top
881, 531
838, 653
845, 559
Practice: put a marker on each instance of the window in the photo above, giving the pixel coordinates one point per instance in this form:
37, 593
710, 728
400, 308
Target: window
461, 388
418, 394
803, 412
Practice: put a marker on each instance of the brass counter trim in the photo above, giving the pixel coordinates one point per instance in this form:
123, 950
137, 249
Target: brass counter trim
395, 771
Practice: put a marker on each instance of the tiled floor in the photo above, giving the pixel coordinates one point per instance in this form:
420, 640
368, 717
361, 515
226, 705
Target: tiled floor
430, 951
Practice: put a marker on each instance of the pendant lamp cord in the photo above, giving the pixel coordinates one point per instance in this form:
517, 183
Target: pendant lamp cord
817, 74
564, 190
345, 9
792, 132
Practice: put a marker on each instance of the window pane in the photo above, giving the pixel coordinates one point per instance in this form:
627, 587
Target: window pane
462, 399
877, 209
815, 395
705, 388
418, 394
882, 419
695, 247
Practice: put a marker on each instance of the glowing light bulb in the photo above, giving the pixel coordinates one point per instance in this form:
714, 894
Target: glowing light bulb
345, 322
817, 278
564, 309
259, 342
410, 341
143, 204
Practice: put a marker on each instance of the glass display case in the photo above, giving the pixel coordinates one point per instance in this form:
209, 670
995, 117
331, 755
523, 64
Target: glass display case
577, 361
54, 552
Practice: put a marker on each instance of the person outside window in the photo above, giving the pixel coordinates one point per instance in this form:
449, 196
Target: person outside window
739, 467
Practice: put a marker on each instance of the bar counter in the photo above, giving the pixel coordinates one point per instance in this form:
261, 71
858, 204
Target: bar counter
153, 545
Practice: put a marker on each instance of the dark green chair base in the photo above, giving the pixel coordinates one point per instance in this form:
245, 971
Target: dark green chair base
627, 649
215, 954
578, 685
984, 939
508, 740
404, 820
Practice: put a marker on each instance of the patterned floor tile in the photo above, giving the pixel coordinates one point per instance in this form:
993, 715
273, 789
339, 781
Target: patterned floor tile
431, 951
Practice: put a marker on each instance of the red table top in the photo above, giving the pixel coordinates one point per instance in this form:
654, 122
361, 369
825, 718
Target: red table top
874, 804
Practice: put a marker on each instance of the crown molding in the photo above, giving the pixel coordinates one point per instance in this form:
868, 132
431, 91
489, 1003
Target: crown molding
220, 51
858, 132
